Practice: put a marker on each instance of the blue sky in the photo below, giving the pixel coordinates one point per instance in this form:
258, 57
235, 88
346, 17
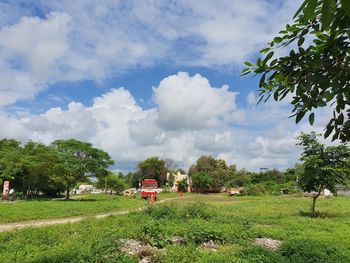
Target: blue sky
145, 78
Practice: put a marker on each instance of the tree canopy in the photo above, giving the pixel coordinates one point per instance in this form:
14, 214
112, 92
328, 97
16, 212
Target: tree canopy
217, 169
325, 167
153, 168
316, 70
78, 160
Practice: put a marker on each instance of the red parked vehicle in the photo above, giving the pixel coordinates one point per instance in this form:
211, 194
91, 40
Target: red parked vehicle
149, 188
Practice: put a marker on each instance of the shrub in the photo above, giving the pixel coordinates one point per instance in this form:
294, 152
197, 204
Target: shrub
182, 186
162, 211
314, 250
256, 189
196, 210
154, 235
199, 235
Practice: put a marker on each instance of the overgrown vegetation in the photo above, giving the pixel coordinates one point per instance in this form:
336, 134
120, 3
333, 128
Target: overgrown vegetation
232, 224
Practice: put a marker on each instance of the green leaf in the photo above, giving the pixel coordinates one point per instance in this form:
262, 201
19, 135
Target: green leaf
309, 11
345, 4
258, 62
340, 119
270, 55
328, 131
265, 50
262, 80
301, 41
245, 73
300, 115
300, 9
328, 13
277, 40
336, 135
312, 118
249, 64
273, 62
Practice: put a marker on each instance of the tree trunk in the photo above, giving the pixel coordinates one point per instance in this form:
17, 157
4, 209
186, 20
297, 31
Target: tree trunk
313, 206
67, 193
106, 185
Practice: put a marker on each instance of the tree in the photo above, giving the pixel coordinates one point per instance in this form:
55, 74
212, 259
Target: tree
153, 168
241, 178
201, 181
171, 180
217, 169
78, 160
270, 175
111, 182
292, 174
133, 179
38, 161
182, 186
10, 159
325, 167
316, 72
181, 171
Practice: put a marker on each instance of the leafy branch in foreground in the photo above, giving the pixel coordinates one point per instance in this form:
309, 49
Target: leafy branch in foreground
316, 71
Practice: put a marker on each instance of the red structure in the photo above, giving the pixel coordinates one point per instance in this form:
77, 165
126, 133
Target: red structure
149, 189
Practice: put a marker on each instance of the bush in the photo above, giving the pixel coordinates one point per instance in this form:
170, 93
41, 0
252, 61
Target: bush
162, 211
196, 210
256, 189
312, 250
199, 235
182, 186
152, 234
172, 211
201, 182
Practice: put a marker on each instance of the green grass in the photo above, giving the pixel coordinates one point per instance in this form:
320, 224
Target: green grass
81, 205
233, 222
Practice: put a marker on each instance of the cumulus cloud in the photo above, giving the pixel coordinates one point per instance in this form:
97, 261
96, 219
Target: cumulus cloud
191, 103
116, 123
89, 40
30, 52
80, 40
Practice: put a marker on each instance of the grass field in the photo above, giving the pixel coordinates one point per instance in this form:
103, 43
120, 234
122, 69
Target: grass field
231, 222
45, 209
88, 204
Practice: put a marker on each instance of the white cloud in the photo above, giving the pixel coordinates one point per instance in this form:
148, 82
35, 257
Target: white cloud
117, 124
79, 40
30, 54
191, 103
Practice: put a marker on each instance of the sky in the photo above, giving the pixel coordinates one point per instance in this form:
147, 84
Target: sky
146, 78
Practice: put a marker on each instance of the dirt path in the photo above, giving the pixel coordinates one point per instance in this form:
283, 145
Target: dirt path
68, 220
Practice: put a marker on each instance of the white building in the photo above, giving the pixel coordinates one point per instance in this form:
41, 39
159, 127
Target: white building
178, 177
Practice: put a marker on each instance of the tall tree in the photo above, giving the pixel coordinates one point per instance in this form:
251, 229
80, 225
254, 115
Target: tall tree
325, 167
38, 161
78, 160
201, 181
316, 72
217, 169
153, 168
111, 182
11, 161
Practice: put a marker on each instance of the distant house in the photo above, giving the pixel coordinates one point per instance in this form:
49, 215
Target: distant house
86, 188
178, 177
